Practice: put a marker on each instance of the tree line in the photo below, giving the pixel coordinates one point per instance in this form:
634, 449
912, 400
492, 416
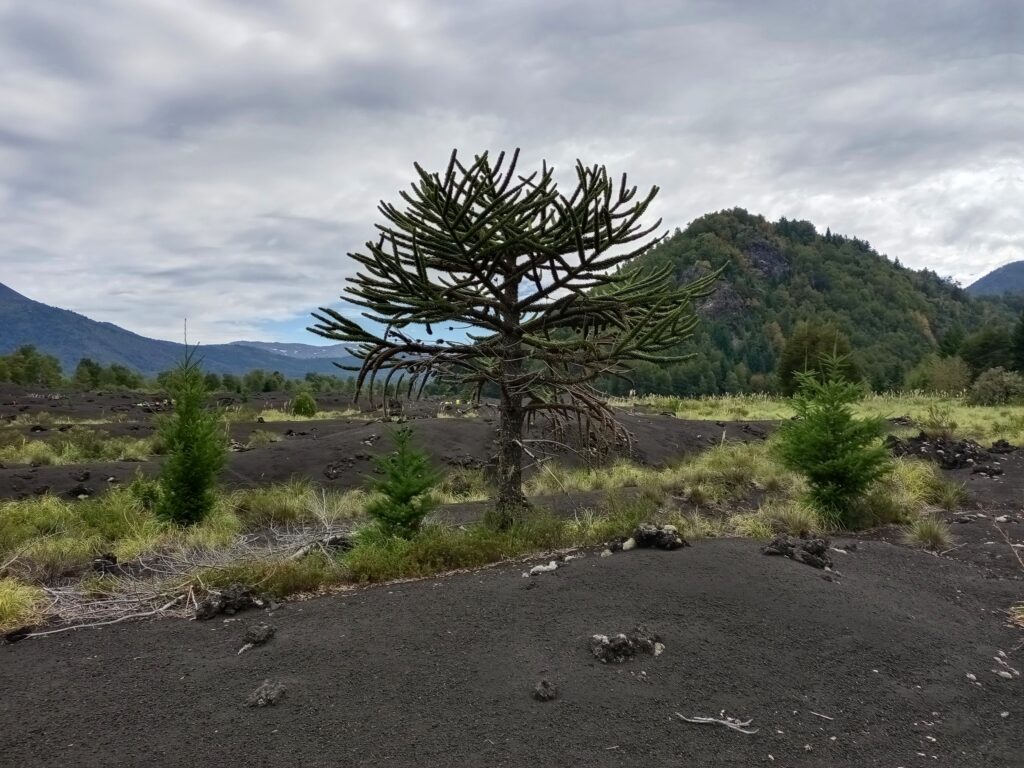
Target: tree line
30, 367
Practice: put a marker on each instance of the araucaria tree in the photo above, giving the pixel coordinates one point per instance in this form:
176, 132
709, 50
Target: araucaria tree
539, 280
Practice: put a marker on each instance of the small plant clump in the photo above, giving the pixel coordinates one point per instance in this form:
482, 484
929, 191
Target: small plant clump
196, 446
304, 405
938, 422
839, 454
404, 487
20, 604
929, 532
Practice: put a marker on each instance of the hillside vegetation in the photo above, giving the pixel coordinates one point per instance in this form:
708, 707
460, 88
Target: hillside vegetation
779, 274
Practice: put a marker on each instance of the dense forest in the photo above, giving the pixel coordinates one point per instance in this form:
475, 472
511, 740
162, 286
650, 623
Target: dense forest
778, 275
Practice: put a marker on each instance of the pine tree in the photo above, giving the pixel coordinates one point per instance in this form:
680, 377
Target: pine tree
543, 283
196, 446
838, 453
404, 487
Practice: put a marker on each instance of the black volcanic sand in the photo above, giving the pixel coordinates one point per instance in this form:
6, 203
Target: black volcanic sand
333, 452
441, 672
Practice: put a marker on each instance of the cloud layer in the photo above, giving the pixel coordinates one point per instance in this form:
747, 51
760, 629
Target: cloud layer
215, 160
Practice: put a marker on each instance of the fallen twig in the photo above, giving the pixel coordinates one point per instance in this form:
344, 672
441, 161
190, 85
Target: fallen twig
111, 621
823, 717
729, 722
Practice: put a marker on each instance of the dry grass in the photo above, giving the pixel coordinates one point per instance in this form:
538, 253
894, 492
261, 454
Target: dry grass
76, 447
20, 604
261, 438
297, 500
797, 518
726, 472
1017, 614
283, 414
928, 532
934, 413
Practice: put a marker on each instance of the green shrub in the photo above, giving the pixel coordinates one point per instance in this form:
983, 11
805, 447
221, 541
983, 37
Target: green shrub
304, 405
404, 487
196, 446
997, 386
837, 453
941, 375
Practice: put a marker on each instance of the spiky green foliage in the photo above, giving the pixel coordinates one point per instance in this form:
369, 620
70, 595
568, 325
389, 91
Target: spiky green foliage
534, 274
196, 446
404, 485
839, 454
304, 405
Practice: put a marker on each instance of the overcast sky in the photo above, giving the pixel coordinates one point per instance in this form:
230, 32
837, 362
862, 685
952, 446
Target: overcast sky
216, 159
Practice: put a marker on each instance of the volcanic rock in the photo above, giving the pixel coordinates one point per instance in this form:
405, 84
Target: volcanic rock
813, 552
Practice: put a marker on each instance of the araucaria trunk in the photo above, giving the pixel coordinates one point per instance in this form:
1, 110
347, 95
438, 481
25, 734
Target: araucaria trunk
510, 502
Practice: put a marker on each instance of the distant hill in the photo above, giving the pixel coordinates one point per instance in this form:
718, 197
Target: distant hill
69, 337
780, 273
1007, 279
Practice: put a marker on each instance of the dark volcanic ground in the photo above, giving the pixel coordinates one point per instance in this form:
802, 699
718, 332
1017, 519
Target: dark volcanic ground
335, 453
440, 672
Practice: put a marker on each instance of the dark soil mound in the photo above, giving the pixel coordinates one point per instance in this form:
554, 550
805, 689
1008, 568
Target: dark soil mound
946, 452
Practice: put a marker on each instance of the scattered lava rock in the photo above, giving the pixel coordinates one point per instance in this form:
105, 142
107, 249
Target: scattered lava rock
268, 694
81, 477
545, 691
987, 470
231, 600
38, 428
81, 492
947, 453
335, 469
648, 536
466, 462
1001, 446
619, 648
258, 634
813, 552
754, 431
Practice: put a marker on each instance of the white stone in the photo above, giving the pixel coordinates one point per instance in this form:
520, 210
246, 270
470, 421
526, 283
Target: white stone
628, 544
552, 566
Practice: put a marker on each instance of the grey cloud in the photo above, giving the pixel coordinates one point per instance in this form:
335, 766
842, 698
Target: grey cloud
224, 156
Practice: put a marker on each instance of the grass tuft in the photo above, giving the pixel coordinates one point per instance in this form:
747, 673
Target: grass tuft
20, 604
928, 532
797, 518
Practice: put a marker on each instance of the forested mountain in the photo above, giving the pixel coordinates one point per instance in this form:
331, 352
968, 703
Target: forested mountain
779, 274
1007, 279
69, 337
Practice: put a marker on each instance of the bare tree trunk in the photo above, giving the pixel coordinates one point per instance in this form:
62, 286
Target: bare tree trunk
510, 502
